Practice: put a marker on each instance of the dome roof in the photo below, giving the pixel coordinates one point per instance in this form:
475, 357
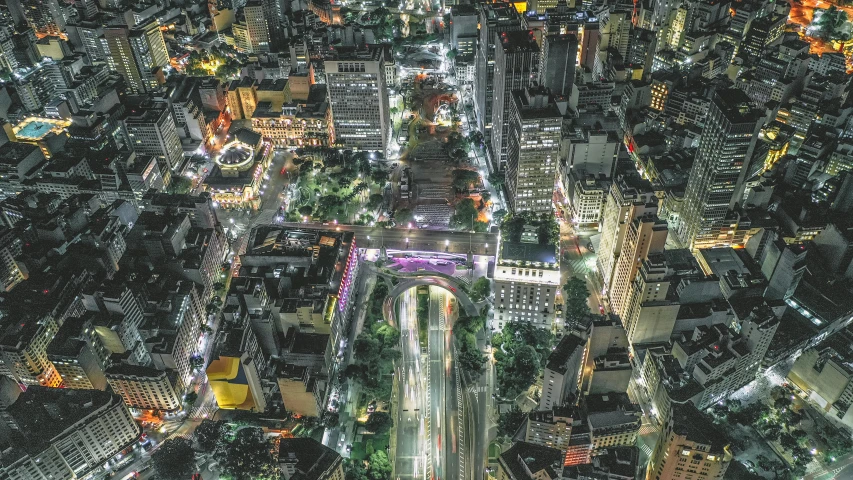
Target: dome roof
235, 156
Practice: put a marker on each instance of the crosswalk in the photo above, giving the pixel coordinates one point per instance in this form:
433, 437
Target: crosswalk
646, 449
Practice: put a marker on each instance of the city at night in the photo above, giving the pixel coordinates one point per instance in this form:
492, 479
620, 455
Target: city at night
426, 240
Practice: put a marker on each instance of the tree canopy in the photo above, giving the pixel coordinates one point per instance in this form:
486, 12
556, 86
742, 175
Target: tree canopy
248, 456
379, 422
173, 460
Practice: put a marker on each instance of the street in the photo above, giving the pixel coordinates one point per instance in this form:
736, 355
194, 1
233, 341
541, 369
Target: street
415, 239
442, 398
411, 458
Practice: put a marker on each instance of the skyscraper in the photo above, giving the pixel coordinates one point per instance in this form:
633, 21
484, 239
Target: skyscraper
689, 440
645, 235
44, 16
358, 98
494, 18
257, 27
716, 182
152, 131
516, 68
559, 56
533, 150
137, 54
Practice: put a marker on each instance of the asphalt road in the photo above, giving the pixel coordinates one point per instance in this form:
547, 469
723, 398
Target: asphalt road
411, 458
443, 407
418, 239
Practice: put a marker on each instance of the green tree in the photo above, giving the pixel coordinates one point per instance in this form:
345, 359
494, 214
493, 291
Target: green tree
331, 420
209, 433
481, 289
497, 179
173, 460
248, 456
374, 201
180, 185
404, 216
465, 215
306, 210
379, 422
380, 467
509, 422
499, 215
464, 179
575, 300
519, 372
354, 470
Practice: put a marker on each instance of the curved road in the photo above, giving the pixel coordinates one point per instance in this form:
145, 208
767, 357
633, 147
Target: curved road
427, 279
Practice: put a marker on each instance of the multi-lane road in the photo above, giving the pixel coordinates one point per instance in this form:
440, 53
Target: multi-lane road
444, 409
411, 460
414, 239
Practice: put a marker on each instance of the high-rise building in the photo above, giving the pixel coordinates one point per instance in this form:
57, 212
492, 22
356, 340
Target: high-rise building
144, 388
64, 433
529, 461
138, 54
516, 68
256, 27
562, 372
559, 56
533, 150
644, 236
630, 197
44, 16
358, 98
690, 446
527, 277
75, 353
152, 131
494, 18
652, 305
716, 183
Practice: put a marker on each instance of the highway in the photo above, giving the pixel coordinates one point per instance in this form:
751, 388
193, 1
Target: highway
414, 239
442, 391
411, 458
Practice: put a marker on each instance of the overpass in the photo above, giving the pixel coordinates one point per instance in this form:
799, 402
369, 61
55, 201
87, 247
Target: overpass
452, 285
414, 239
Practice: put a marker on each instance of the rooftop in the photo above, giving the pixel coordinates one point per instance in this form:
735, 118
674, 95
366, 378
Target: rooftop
311, 458
525, 457
696, 427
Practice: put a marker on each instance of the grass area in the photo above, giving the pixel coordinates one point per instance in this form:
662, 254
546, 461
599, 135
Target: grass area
371, 443
494, 451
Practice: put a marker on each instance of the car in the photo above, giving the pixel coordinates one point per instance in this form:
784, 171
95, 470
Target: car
601, 308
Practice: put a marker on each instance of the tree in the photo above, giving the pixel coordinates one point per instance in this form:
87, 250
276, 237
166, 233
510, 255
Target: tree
374, 201
306, 210
481, 289
465, 215
379, 422
499, 215
209, 433
463, 179
354, 470
180, 185
497, 179
509, 422
404, 216
248, 456
331, 420
519, 372
575, 300
173, 460
380, 467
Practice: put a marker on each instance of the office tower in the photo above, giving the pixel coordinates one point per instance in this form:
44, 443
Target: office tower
645, 235
494, 18
235, 377
463, 30
524, 292
562, 372
613, 420
118, 300
152, 131
716, 182
533, 150
137, 54
593, 151
64, 433
552, 427
824, 371
689, 436
630, 197
641, 52
616, 28
86, 36
307, 459
255, 28
559, 55
651, 310
516, 68
44, 16
358, 99
590, 41
274, 14
144, 388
